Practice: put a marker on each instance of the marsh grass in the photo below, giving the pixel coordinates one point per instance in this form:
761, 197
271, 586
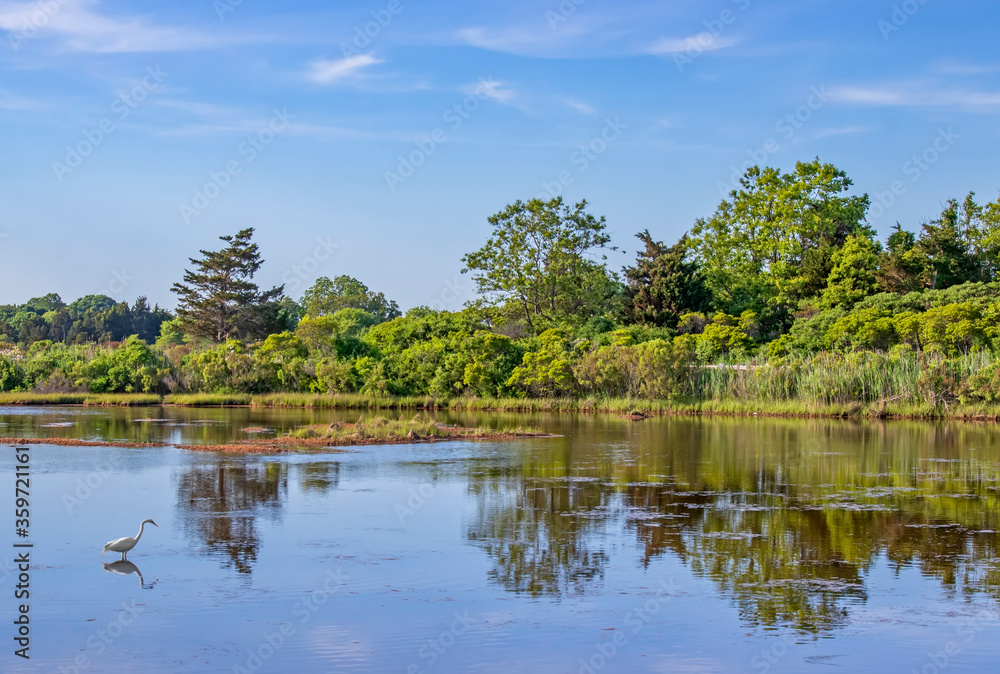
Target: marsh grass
90, 399
347, 401
381, 429
42, 398
860, 384
207, 399
122, 400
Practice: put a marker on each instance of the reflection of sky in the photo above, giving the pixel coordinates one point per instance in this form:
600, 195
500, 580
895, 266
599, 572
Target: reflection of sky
336, 516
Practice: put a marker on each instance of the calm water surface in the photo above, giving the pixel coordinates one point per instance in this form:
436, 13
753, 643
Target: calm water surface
668, 545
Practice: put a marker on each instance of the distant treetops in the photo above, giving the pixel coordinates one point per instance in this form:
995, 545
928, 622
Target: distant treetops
780, 247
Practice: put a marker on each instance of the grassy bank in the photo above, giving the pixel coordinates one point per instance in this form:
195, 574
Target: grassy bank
635, 407
90, 399
207, 399
853, 385
374, 431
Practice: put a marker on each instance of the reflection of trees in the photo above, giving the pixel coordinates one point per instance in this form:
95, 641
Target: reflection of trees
786, 517
319, 477
220, 501
536, 535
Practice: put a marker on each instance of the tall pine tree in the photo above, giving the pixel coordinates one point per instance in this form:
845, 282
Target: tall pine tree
219, 300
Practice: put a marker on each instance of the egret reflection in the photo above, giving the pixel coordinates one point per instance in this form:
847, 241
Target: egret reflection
126, 568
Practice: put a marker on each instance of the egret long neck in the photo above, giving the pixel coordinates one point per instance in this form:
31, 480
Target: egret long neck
139, 535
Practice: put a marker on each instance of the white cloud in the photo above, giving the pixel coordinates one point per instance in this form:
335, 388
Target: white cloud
841, 131
317, 132
956, 68
9, 101
538, 42
694, 44
581, 107
490, 88
330, 71
916, 95
78, 26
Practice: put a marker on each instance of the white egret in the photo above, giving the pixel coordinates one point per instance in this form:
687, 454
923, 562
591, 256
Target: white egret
123, 545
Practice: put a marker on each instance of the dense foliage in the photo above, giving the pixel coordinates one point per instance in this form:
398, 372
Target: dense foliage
94, 318
785, 279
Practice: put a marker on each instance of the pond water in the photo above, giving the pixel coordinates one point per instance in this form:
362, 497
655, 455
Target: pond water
666, 545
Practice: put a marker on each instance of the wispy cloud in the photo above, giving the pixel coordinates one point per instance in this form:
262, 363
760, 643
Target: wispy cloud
672, 45
331, 71
916, 95
79, 26
195, 107
956, 68
9, 101
533, 41
841, 131
317, 132
490, 88
581, 107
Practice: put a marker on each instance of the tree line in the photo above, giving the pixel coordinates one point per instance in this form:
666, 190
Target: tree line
786, 267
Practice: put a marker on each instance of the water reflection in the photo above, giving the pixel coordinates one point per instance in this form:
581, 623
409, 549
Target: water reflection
319, 477
541, 537
127, 568
787, 518
220, 499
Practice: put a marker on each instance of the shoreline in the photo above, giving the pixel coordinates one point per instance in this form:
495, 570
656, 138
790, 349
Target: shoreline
635, 409
289, 443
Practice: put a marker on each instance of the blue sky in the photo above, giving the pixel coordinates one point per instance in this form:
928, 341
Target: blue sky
375, 138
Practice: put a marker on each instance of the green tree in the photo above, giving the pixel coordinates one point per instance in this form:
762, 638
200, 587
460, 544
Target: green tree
901, 266
345, 292
50, 302
130, 368
952, 246
854, 274
772, 241
664, 284
219, 299
546, 371
541, 263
